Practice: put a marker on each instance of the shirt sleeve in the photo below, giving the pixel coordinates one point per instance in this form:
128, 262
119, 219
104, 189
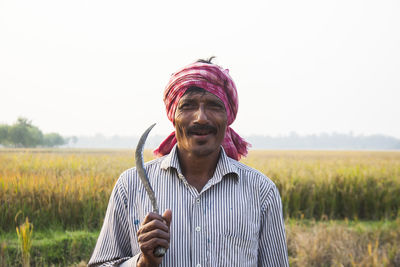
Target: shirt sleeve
114, 245
272, 244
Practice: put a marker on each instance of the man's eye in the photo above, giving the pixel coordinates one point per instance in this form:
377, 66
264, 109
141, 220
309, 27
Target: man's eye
186, 105
217, 106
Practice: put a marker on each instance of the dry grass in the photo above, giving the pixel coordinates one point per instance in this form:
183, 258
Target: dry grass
336, 184
339, 244
70, 188
64, 188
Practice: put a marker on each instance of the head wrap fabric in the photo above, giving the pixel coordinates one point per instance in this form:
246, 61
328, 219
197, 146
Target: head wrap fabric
215, 80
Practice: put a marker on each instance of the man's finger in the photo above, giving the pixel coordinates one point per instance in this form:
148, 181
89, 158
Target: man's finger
167, 215
149, 246
157, 233
152, 216
153, 225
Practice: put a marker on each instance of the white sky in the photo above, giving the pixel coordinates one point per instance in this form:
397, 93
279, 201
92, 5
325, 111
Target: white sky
87, 67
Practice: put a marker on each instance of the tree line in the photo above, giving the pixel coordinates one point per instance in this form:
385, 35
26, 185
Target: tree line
24, 134
325, 141
322, 141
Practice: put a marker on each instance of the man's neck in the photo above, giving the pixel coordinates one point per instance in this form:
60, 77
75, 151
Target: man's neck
198, 170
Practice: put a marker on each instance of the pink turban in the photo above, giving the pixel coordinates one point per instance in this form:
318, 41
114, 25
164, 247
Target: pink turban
215, 80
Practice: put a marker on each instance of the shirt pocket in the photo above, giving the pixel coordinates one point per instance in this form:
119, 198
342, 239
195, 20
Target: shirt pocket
236, 251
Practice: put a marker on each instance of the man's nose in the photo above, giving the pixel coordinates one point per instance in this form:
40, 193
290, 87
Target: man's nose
201, 115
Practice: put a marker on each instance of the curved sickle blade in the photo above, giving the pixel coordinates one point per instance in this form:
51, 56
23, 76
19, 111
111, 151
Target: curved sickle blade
141, 171
159, 251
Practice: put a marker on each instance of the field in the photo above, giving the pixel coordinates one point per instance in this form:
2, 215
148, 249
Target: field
342, 208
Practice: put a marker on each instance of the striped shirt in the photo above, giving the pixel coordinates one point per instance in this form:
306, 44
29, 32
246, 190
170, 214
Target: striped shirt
236, 219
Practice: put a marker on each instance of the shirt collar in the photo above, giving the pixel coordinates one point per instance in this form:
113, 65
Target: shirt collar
224, 167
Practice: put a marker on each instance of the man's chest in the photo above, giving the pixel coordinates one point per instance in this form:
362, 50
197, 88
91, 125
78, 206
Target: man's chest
218, 225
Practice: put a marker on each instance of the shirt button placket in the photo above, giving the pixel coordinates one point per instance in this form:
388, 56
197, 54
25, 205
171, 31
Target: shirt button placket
198, 249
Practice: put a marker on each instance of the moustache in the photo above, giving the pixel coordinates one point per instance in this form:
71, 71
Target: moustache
202, 128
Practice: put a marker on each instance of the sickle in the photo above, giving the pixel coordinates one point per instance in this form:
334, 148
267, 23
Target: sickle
159, 251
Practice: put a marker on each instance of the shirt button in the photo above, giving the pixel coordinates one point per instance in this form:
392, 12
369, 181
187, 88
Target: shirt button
198, 265
198, 229
198, 201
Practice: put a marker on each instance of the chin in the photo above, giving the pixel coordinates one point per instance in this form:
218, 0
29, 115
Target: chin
205, 151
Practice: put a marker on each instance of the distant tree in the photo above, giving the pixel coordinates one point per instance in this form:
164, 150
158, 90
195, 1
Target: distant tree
24, 134
53, 139
4, 134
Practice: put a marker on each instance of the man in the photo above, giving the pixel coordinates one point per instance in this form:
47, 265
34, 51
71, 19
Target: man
218, 212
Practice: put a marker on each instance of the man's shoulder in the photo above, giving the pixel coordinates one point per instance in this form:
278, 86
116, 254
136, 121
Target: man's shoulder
250, 174
259, 183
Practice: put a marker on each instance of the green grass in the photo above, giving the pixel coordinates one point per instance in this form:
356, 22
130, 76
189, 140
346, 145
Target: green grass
310, 243
50, 247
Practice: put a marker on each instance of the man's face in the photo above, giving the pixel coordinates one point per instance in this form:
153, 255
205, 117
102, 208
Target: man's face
200, 123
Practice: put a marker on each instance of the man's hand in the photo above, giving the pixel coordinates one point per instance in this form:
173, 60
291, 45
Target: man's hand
153, 232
